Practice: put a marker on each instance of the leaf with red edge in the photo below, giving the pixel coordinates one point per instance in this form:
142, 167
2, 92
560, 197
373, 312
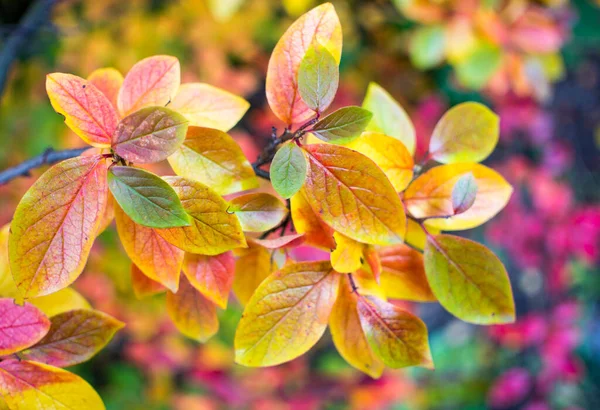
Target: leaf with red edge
153, 81
149, 135
286, 241
108, 80
20, 326
320, 24
55, 225
316, 232
211, 275
194, 315
142, 285
156, 258
74, 337
396, 336
403, 274
87, 111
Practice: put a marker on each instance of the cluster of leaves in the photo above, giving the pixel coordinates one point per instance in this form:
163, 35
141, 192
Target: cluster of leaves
353, 189
501, 46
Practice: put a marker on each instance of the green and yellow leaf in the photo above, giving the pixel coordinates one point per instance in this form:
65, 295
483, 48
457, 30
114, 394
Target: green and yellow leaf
318, 77
259, 211
342, 126
288, 170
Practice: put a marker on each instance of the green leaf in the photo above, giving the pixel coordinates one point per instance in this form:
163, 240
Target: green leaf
464, 193
476, 69
288, 170
468, 280
427, 47
318, 77
468, 132
146, 198
149, 135
343, 125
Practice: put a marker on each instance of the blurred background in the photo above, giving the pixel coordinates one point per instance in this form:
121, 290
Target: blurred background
537, 63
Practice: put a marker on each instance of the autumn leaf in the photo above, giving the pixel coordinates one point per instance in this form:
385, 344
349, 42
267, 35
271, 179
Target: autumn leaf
352, 195
20, 326
416, 236
55, 225
288, 170
142, 285
347, 334
194, 315
74, 337
403, 274
149, 135
62, 301
108, 80
468, 132
389, 154
464, 193
207, 106
258, 212
389, 117
287, 314
8, 288
342, 126
153, 81
367, 284
146, 198
316, 232
87, 111
347, 255
279, 242
212, 157
396, 336
213, 231
252, 265
30, 385
320, 24
211, 275
318, 77
154, 256
468, 280
430, 195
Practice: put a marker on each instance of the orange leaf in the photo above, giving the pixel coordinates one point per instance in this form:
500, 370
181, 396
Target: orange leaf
108, 81
286, 241
55, 225
316, 232
347, 333
87, 111
252, 266
211, 275
20, 326
321, 24
352, 195
152, 81
154, 256
142, 285
193, 314
403, 274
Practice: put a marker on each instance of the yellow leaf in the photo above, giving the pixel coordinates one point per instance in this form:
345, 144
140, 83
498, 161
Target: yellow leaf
396, 336
430, 195
8, 288
193, 314
62, 301
211, 275
108, 81
416, 236
207, 106
366, 283
212, 157
352, 195
469, 280
26, 385
403, 274
347, 333
389, 154
316, 232
347, 255
213, 229
320, 24
252, 266
389, 117
153, 255
258, 211
287, 314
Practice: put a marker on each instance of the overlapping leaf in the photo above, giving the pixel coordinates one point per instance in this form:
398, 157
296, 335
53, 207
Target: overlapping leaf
343, 125
347, 255
352, 195
213, 231
108, 80
211, 275
213, 158
207, 106
288, 170
430, 195
464, 193
468, 280
322, 25
142, 285
62, 301
20, 326
279, 242
403, 274
87, 111
74, 337
298, 297
149, 135
252, 266
316, 232
258, 212
318, 77
55, 225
